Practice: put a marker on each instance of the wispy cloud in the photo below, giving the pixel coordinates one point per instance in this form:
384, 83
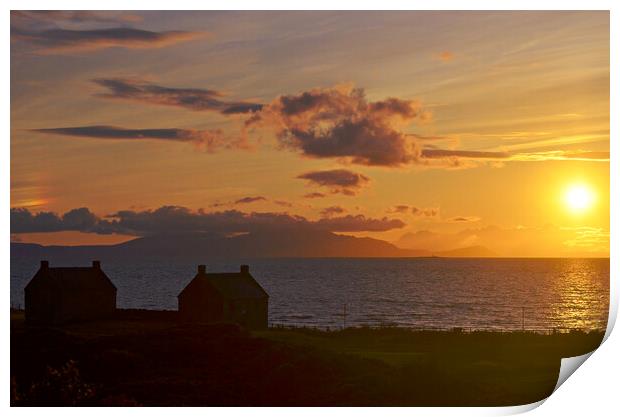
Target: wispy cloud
562, 156
332, 210
314, 195
425, 212
463, 219
451, 153
413, 210
52, 41
190, 98
40, 18
556, 155
248, 200
210, 140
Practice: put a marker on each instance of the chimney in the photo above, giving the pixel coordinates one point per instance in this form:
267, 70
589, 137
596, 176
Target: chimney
97, 264
45, 264
202, 269
245, 269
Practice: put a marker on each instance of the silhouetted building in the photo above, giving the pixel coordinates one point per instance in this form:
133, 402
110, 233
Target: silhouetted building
61, 295
225, 297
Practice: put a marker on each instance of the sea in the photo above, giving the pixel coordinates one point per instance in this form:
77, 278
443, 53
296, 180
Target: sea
422, 293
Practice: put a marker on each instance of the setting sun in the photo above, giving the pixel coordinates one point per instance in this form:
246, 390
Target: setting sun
579, 198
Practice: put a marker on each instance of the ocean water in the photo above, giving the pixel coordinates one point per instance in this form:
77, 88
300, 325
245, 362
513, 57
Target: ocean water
433, 293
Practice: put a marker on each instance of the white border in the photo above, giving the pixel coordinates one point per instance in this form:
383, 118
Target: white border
592, 392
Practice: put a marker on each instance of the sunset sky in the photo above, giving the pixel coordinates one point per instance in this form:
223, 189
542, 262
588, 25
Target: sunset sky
431, 130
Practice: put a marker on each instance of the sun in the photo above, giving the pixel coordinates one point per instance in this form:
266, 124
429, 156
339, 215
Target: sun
579, 198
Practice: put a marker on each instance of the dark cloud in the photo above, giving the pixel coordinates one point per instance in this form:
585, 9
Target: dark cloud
283, 203
340, 123
416, 211
80, 219
425, 212
208, 139
247, 200
175, 219
464, 219
189, 98
402, 208
337, 180
332, 210
244, 200
314, 195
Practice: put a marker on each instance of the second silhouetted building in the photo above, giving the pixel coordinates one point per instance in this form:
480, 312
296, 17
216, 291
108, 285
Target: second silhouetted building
225, 298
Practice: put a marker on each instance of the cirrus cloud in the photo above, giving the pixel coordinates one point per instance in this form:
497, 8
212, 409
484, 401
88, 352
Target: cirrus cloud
196, 99
210, 140
57, 40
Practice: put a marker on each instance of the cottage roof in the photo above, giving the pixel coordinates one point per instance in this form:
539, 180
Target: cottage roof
74, 278
231, 285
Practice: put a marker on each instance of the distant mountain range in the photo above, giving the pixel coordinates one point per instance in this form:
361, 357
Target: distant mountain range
307, 244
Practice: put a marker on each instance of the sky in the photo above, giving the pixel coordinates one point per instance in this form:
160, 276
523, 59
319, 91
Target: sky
430, 130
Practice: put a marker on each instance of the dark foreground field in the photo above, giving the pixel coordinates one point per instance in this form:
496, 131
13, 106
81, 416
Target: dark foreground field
149, 358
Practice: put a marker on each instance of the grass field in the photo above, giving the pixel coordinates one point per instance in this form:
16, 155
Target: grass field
149, 358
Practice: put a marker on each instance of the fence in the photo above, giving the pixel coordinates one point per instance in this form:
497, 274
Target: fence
513, 319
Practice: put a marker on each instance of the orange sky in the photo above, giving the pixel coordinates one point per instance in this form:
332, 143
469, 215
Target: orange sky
466, 127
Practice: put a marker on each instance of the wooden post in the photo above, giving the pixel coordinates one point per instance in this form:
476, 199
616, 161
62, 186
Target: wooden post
523, 319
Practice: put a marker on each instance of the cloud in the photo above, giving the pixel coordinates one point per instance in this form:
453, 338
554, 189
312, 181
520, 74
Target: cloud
432, 153
519, 241
332, 210
450, 153
358, 223
210, 140
337, 180
599, 156
415, 211
80, 219
175, 219
190, 98
425, 212
587, 237
244, 200
340, 123
402, 208
40, 18
433, 213
57, 40
314, 195
283, 203
463, 219
248, 200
